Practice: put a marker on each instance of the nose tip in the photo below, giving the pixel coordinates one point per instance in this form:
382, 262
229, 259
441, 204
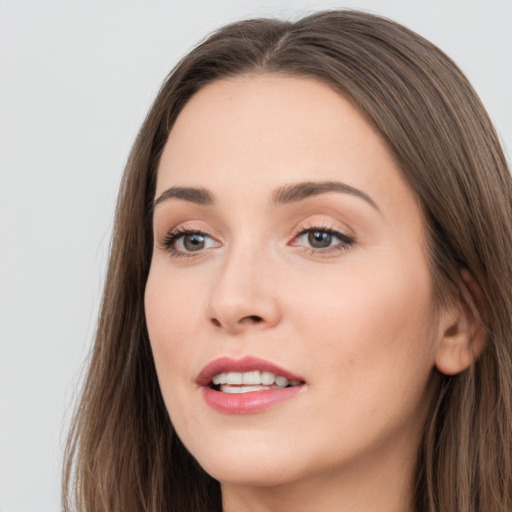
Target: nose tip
241, 298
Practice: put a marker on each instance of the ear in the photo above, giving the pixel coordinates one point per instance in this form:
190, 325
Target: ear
462, 332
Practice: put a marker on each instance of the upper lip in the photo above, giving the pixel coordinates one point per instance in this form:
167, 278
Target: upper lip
246, 364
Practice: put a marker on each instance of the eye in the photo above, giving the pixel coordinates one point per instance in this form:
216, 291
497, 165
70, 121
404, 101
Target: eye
322, 239
319, 239
185, 242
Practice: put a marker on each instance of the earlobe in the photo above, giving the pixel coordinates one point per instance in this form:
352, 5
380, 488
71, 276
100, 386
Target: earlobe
463, 334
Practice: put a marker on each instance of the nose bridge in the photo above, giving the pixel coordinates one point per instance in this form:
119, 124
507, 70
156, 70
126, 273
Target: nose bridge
242, 293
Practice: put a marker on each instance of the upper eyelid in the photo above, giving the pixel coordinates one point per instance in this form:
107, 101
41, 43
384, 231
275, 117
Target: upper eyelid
189, 226
181, 231
324, 225
198, 226
217, 228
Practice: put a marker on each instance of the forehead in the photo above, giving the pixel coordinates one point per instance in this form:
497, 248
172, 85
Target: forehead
264, 131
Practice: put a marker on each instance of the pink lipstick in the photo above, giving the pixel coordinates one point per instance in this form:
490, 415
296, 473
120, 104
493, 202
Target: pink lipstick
246, 386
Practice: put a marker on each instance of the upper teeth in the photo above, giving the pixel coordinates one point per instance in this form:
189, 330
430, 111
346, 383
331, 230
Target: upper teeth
252, 378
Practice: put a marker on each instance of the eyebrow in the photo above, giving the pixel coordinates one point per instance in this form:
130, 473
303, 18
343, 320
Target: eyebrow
194, 195
301, 191
283, 195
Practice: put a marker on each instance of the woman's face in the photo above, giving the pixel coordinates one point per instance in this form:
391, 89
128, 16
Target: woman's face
288, 244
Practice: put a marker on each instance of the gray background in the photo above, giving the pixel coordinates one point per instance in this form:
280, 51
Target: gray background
76, 79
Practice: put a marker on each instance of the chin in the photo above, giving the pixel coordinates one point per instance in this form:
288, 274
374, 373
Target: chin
253, 468
250, 474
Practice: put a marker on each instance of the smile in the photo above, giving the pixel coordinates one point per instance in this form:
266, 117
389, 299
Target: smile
247, 385
247, 382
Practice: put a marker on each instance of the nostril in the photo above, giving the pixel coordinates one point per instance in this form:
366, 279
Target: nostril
255, 319
246, 319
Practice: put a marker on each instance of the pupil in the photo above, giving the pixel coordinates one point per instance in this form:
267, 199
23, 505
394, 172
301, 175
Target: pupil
319, 239
193, 242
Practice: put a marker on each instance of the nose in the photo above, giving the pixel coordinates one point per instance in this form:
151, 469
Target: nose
244, 293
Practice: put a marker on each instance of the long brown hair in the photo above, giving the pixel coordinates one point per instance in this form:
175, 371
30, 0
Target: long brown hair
123, 454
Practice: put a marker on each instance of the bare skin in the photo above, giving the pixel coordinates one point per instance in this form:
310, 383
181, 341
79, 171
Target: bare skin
332, 284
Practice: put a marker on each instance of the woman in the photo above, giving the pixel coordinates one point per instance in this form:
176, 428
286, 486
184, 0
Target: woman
307, 304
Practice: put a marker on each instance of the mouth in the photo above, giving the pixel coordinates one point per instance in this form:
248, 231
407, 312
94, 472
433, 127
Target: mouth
245, 375
247, 382
247, 385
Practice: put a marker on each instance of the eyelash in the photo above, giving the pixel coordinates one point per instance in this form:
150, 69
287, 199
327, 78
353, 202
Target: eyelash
173, 236
345, 241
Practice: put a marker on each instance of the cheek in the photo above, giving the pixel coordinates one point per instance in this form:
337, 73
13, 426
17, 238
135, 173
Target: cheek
172, 305
375, 317
369, 351
172, 318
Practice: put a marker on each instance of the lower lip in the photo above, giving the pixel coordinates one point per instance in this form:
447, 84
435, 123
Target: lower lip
247, 403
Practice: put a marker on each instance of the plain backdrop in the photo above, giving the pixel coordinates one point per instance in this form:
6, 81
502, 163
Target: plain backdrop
76, 79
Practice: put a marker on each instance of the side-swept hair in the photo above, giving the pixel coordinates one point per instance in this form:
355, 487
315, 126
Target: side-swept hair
123, 454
